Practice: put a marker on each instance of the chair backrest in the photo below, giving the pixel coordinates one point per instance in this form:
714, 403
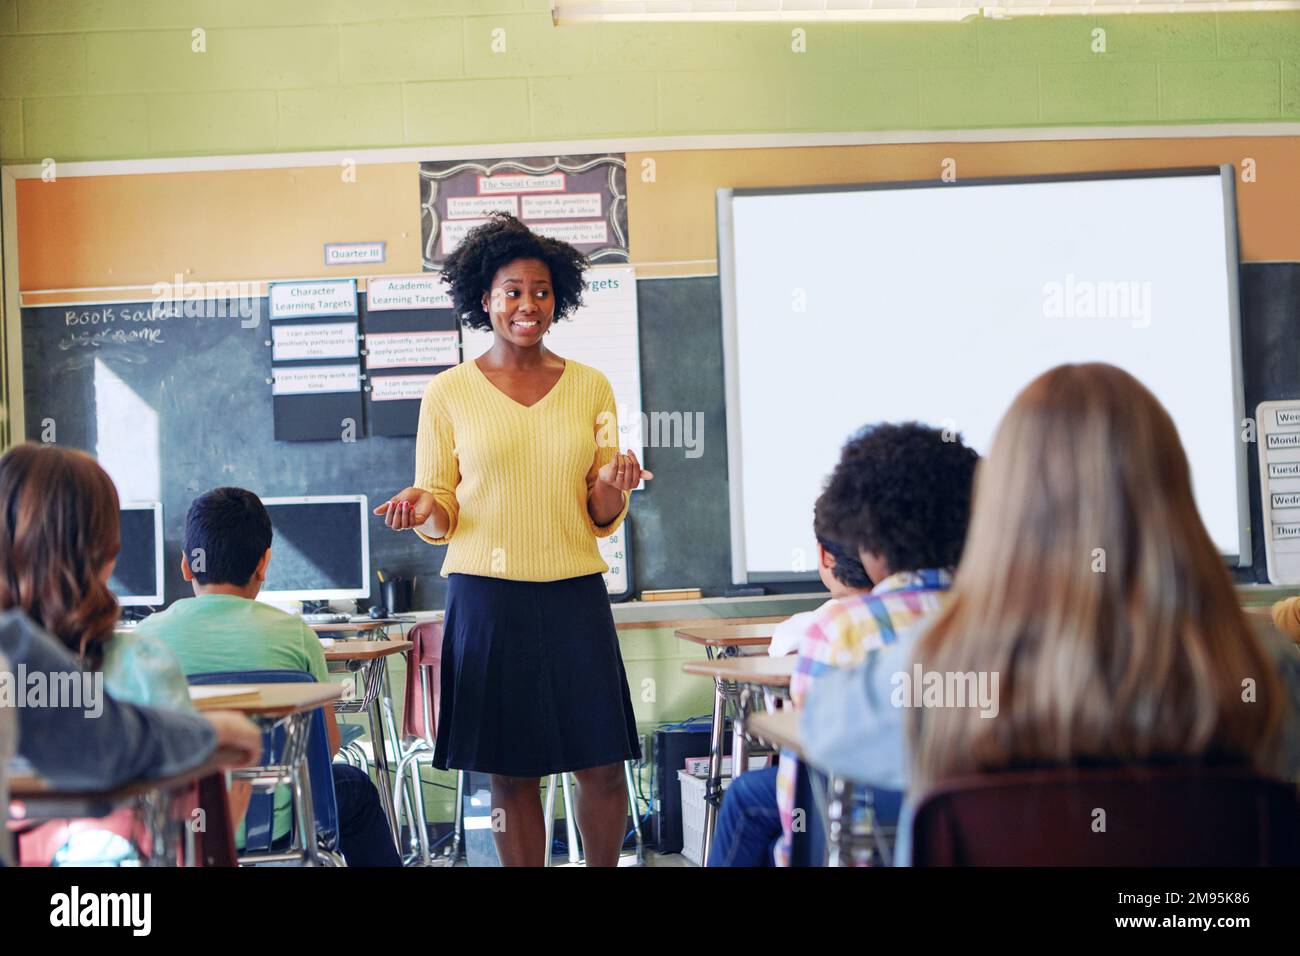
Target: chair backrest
423, 680
259, 820
1187, 816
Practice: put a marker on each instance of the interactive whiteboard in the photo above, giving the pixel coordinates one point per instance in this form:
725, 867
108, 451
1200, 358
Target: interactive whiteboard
938, 302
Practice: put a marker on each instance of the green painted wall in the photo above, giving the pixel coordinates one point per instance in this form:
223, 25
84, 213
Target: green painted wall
98, 79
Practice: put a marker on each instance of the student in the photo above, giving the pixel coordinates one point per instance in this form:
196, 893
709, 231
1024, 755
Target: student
841, 573
110, 743
749, 823
1136, 660
222, 628
59, 540
900, 496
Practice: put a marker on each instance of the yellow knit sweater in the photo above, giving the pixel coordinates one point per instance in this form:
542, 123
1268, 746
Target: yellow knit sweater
514, 479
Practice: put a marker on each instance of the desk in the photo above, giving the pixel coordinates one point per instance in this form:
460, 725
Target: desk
370, 628
734, 679
34, 799
725, 641
378, 699
291, 706
371, 657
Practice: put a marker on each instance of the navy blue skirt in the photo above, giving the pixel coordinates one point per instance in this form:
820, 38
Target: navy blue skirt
532, 678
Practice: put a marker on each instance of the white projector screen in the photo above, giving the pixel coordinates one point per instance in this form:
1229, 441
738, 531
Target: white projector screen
938, 302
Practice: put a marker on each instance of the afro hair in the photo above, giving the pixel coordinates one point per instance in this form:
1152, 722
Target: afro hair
469, 270
902, 492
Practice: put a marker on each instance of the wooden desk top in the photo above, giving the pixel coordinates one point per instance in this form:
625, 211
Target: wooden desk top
757, 669
354, 627
365, 650
276, 700
30, 787
780, 729
728, 635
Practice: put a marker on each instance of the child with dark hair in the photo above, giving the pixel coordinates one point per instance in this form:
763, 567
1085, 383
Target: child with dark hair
223, 628
59, 541
840, 571
900, 497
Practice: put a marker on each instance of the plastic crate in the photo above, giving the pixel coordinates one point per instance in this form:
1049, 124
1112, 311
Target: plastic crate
693, 815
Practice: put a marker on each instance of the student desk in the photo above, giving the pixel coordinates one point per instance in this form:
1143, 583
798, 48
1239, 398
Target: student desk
33, 799
373, 630
723, 642
291, 706
371, 658
843, 841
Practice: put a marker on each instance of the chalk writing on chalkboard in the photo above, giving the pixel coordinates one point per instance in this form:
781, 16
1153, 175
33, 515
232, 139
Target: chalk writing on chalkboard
90, 327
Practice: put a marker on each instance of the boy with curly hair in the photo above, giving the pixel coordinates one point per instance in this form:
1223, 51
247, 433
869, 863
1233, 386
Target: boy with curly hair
900, 498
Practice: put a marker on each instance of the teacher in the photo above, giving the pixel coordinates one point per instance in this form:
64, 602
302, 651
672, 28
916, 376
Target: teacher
518, 472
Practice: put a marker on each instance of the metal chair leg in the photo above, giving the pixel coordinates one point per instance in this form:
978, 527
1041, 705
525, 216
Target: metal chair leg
548, 815
458, 819
636, 812
419, 821
570, 820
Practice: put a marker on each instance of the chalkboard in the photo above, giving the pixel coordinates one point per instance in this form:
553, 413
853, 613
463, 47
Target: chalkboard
204, 378
107, 378
1270, 323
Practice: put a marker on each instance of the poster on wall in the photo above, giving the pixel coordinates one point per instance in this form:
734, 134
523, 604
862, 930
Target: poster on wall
581, 200
411, 335
315, 360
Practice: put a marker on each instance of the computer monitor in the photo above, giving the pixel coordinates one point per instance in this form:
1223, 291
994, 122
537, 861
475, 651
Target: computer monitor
320, 549
138, 574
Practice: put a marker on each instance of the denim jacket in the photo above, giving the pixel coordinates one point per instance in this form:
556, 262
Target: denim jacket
96, 748
851, 728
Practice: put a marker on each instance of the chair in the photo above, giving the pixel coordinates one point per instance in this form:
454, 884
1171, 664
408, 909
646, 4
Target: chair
259, 820
122, 838
419, 733
570, 820
1132, 816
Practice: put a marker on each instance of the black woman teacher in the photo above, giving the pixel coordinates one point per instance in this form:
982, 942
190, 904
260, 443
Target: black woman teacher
518, 472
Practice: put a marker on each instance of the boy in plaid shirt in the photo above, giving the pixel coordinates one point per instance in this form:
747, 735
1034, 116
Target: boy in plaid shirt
900, 496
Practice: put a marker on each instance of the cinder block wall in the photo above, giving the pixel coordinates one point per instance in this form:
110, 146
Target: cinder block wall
109, 79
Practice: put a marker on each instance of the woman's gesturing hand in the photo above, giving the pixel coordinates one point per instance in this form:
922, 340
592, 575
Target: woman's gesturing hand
623, 472
407, 509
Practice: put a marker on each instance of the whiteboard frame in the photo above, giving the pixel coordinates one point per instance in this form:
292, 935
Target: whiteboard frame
740, 574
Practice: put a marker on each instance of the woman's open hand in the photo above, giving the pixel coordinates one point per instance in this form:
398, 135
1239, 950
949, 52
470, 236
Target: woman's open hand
409, 508
623, 472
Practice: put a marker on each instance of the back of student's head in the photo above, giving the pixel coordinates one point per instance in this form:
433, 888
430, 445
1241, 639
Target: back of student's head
59, 532
227, 531
902, 492
848, 569
1090, 586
